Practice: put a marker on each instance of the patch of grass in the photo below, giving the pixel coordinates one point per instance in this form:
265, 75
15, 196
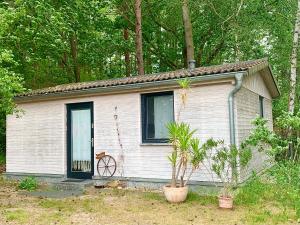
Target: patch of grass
203, 200
260, 217
153, 196
267, 217
52, 218
4, 182
118, 192
29, 184
91, 205
252, 192
60, 205
18, 215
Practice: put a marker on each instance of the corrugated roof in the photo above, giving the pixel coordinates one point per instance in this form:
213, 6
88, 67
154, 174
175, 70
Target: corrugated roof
184, 73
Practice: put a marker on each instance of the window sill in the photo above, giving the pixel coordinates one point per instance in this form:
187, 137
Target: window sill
155, 144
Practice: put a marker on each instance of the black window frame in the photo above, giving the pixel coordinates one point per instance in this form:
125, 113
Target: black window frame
261, 106
144, 116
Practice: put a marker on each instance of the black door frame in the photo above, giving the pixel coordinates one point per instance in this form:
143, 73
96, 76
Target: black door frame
70, 107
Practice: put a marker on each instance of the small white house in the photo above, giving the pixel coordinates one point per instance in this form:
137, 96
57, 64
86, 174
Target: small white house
62, 128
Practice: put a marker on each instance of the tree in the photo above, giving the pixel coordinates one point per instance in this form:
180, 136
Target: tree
138, 37
10, 84
294, 59
127, 53
188, 32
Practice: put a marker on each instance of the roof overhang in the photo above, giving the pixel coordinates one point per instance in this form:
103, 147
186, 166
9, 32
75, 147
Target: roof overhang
266, 72
128, 88
199, 76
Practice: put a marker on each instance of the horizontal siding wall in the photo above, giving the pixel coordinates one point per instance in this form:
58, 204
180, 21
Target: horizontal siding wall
36, 140
247, 109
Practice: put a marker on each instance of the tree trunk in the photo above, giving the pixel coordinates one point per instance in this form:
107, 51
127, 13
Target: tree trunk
294, 62
126, 53
188, 31
138, 37
74, 53
173, 181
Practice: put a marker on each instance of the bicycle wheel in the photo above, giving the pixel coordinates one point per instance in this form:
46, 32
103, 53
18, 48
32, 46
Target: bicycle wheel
106, 166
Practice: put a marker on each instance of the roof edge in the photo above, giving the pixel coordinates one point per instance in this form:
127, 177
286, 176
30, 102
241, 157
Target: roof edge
219, 78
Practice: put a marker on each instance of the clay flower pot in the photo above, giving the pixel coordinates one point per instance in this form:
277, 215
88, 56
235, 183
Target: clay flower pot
225, 202
175, 194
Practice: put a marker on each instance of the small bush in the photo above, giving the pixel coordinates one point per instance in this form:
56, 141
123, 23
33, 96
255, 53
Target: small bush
2, 157
29, 184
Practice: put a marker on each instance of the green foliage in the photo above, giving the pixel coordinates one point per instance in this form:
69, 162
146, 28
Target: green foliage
51, 40
2, 157
11, 83
283, 190
184, 83
277, 144
186, 150
28, 183
252, 193
225, 165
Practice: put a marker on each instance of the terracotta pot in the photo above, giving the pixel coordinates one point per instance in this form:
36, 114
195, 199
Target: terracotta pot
175, 194
225, 202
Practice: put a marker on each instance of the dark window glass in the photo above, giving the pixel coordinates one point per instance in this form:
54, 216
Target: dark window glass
157, 112
261, 106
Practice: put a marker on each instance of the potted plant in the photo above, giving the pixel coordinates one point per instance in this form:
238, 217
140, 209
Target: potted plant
185, 159
225, 164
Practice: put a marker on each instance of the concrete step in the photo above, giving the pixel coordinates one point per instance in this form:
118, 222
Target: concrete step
71, 184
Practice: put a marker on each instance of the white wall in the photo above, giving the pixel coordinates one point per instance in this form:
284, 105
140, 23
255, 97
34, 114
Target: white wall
36, 142
247, 109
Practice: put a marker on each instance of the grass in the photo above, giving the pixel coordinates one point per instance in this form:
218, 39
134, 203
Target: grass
269, 203
203, 200
114, 206
18, 215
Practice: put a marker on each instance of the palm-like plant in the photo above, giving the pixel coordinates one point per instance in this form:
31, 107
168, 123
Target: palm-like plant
187, 150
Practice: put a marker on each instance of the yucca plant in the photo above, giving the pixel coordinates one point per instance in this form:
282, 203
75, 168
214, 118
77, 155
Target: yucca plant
187, 152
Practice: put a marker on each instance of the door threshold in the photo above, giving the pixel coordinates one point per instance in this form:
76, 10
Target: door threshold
74, 180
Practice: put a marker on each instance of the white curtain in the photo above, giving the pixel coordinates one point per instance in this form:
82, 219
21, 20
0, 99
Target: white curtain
81, 139
163, 114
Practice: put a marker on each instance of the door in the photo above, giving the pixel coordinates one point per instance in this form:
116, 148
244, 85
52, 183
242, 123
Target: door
80, 138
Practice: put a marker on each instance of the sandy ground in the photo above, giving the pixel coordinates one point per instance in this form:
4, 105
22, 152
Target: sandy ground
113, 206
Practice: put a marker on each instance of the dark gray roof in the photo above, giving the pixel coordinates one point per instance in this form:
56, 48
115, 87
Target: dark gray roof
184, 73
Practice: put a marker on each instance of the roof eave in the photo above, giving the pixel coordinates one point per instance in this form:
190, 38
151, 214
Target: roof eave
220, 77
272, 86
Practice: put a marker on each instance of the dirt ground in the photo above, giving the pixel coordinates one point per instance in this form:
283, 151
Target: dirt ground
114, 206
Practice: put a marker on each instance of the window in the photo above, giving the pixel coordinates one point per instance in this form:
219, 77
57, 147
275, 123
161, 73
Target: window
261, 106
157, 112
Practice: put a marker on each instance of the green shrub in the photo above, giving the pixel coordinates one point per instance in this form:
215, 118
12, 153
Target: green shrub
29, 184
2, 157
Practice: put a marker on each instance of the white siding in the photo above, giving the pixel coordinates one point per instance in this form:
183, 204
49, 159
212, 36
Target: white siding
256, 84
36, 140
247, 109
